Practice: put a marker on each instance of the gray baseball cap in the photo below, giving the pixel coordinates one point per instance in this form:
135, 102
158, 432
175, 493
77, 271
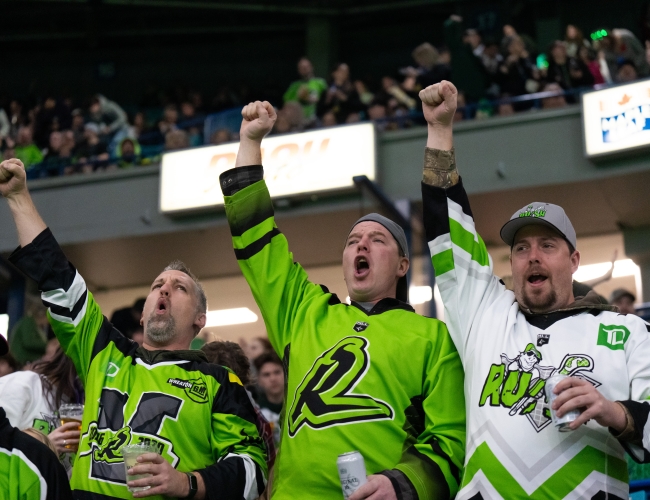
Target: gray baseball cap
400, 237
545, 214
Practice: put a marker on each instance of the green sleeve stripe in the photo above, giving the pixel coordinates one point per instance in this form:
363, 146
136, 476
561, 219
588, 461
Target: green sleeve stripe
257, 246
443, 262
254, 233
248, 207
464, 239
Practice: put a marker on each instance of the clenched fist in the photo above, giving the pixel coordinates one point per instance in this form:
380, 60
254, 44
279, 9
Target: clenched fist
439, 103
12, 177
258, 120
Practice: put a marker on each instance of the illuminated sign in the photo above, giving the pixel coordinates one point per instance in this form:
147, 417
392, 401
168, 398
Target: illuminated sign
306, 162
616, 119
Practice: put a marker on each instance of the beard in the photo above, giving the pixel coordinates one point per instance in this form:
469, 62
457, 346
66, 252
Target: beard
160, 331
539, 303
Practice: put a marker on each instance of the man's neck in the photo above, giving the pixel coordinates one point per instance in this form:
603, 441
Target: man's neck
276, 399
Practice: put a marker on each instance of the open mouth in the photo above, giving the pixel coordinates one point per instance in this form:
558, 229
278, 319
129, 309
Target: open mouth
536, 279
161, 306
361, 265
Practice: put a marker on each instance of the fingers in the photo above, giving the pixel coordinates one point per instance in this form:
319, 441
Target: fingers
364, 491
258, 109
70, 426
437, 93
153, 458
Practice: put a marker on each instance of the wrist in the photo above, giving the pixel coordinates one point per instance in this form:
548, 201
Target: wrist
440, 137
619, 417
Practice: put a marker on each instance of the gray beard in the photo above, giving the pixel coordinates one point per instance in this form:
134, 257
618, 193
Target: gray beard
160, 332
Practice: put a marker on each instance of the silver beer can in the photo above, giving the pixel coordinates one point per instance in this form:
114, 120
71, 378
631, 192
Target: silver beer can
561, 423
352, 472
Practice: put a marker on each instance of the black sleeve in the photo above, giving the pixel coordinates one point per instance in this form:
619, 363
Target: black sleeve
238, 178
633, 443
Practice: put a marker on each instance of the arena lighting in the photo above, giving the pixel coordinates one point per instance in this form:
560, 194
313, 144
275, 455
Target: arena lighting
225, 317
420, 294
4, 325
625, 267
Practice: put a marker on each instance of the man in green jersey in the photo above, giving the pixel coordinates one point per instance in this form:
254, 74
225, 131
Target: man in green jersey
307, 90
196, 414
371, 376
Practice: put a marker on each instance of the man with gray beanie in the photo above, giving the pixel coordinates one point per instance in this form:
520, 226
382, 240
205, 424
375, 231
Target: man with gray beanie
372, 376
514, 343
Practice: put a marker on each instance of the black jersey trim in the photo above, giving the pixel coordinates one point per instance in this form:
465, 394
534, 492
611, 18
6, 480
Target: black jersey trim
108, 333
333, 300
257, 246
231, 398
384, 305
64, 311
603, 495
543, 321
243, 224
434, 201
238, 178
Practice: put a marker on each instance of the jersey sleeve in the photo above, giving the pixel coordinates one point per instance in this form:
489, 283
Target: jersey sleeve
463, 267
240, 469
279, 285
431, 466
637, 350
73, 313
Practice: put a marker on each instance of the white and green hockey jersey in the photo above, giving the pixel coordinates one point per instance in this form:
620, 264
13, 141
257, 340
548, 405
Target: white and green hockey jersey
513, 449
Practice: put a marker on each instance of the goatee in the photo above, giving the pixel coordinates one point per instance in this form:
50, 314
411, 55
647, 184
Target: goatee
160, 331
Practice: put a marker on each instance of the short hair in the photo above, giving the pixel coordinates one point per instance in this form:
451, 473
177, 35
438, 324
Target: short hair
230, 355
267, 357
177, 265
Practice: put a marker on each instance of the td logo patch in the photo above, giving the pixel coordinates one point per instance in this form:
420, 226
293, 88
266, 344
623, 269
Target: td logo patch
613, 336
360, 326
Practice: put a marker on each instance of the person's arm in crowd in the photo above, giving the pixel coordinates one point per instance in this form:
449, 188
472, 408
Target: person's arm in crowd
462, 265
4, 124
73, 313
114, 109
278, 284
432, 466
239, 471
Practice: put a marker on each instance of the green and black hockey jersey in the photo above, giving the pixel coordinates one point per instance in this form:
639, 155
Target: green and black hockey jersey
29, 470
387, 383
197, 414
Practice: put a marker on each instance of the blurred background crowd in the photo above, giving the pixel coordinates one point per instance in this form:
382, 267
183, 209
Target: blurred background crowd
496, 76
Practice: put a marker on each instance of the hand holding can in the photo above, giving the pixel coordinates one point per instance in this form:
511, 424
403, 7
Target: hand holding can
352, 472
562, 423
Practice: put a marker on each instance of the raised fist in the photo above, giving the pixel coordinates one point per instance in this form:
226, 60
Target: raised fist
258, 120
439, 103
12, 177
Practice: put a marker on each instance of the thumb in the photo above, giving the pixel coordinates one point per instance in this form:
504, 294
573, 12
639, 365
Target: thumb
262, 113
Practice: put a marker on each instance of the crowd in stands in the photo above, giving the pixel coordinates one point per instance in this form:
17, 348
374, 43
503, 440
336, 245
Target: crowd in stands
61, 136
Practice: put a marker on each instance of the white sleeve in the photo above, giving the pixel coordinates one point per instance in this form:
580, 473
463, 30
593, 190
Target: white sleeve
21, 396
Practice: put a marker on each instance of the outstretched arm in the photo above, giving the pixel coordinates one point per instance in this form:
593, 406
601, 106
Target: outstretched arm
257, 121
13, 187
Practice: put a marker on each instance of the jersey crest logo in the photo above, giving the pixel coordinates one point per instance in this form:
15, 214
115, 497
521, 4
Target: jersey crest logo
518, 383
195, 388
325, 396
360, 326
543, 339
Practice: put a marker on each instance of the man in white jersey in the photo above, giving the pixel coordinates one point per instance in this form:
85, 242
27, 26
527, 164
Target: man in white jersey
510, 343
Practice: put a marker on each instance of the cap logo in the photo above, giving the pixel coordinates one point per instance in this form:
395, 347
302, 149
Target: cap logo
533, 212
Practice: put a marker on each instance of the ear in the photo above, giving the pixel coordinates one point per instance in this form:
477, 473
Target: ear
199, 323
403, 267
575, 261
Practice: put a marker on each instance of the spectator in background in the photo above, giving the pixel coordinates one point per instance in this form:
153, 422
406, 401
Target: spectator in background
430, 66
231, 355
25, 149
220, 136
626, 72
518, 74
306, 91
108, 115
624, 300
293, 112
574, 40
128, 320
8, 364
557, 101
28, 337
403, 97
621, 44
341, 98
270, 379
176, 139
568, 72
169, 120
47, 119
59, 154
78, 126
472, 38
93, 151
129, 154
16, 117
589, 59
5, 127
467, 70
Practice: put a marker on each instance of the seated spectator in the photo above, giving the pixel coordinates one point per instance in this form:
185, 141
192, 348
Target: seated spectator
220, 136
169, 120
306, 91
518, 74
78, 126
557, 101
16, 116
377, 113
341, 98
176, 139
93, 151
617, 45
270, 378
25, 149
588, 57
568, 72
403, 97
5, 127
129, 154
108, 115
624, 300
626, 72
231, 355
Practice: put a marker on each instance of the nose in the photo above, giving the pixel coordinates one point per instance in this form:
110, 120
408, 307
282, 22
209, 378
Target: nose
533, 254
362, 244
165, 289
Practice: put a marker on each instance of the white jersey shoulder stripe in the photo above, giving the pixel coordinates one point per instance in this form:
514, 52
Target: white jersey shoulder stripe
66, 298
